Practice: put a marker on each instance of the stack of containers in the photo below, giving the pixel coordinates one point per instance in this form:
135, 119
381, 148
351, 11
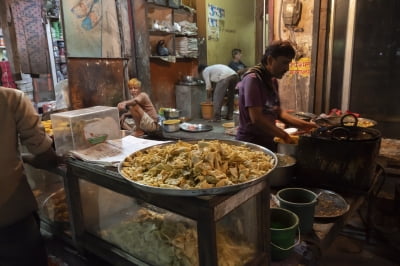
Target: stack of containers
26, 85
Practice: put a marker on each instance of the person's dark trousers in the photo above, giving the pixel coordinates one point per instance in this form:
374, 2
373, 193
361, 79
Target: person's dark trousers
21, 244
225, 86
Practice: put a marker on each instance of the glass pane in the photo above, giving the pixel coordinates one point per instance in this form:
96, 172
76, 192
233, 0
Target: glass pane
237, 235
149, 233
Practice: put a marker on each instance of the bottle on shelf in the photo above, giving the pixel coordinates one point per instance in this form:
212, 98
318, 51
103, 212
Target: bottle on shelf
3, 55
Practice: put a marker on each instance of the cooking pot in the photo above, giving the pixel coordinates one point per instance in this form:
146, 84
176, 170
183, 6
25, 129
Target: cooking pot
171, 113
341, 158
284, 171
188, 78
347, 131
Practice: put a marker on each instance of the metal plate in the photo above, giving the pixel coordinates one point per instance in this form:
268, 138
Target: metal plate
365, 122
208, 191
330, 204
305, 115
195, 127
336, 121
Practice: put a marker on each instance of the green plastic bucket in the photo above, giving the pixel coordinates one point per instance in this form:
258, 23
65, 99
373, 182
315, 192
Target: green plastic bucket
283, 227
302, 202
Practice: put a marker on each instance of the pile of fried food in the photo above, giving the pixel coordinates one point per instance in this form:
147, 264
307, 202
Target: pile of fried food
361, 122
169, 239
56, 206
48, 127
200, 165
295, 139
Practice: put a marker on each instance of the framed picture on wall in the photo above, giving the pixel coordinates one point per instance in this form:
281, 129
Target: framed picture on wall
91, 28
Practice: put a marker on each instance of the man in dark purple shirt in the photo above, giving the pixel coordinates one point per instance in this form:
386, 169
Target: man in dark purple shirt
259, 104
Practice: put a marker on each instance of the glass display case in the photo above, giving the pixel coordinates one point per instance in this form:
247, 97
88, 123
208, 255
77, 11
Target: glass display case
123, 224
48, 189
79, 129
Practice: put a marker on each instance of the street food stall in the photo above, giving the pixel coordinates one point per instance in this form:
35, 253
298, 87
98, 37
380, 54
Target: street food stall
98, 203
123, 218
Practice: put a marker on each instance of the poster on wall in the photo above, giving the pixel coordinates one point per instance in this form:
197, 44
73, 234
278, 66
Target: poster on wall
91, 28
302, 67
216, 17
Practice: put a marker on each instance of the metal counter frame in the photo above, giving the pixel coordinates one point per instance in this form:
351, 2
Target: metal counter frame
207, 211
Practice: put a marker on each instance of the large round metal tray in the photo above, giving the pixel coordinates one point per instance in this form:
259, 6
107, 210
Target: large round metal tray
330, 204
195, 127
208, 191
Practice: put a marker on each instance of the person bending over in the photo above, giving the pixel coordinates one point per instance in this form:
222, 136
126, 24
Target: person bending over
224, 78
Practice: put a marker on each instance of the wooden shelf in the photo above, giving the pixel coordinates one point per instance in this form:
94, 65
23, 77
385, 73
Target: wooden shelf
160, 32
169, 58
178, 34
168, 15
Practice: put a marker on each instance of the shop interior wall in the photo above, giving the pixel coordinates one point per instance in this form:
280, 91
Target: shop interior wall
295, 88
236, 30
164, 76
98, 76
95, 81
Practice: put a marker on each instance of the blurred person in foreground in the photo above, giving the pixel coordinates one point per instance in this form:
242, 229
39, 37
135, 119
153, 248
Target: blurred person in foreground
20, 240
259, 103
220, 80
141, 109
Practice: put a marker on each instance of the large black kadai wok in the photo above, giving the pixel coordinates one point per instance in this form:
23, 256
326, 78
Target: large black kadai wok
342, 158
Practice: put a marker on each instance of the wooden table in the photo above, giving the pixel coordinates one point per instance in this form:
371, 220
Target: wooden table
389, 156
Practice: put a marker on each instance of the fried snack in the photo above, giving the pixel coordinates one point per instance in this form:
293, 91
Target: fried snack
165, 239
202, 165
56, 206
361, 123
48, 127
172, 121
295, 139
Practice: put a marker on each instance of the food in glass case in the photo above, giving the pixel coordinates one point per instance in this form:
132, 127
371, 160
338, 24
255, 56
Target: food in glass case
48, 127
56, 208
198, 165
168, 239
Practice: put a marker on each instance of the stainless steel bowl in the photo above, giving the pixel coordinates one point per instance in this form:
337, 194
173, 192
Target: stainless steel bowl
171, 125
171, 113
188, 78
284, 171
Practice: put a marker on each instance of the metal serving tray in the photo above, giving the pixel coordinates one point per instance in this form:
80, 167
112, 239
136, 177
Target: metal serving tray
208, 191
330, 204
195, 127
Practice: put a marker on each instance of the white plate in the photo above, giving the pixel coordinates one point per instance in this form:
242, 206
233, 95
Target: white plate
291, 130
